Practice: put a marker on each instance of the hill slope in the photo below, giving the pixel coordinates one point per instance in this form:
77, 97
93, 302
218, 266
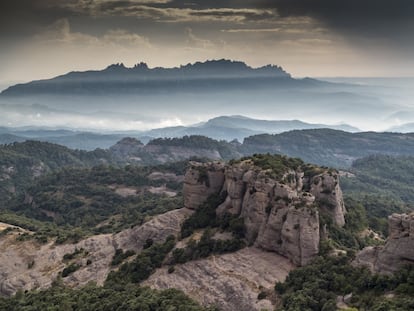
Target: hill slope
330, 147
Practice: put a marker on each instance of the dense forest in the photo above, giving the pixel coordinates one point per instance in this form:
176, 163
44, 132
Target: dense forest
330, 147
127, 298
76, 202
383, 185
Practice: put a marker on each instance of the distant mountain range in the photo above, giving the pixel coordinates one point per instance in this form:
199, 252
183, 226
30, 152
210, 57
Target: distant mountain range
220, 128
240, 127
118, 79
123, 98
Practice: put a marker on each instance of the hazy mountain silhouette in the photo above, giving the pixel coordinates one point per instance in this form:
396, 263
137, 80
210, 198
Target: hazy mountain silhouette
118, 95
239, 127
116, 78
403, 128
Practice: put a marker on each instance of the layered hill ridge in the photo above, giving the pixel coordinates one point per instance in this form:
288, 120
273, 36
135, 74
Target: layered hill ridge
278, 198
226, 128
21, 163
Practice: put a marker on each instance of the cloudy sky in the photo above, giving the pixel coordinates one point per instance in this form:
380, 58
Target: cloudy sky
44, 38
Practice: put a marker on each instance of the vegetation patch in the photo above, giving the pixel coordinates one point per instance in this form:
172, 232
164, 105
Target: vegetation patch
120, 256
70, 269
205, 247
317, 286
143, 265
92, 297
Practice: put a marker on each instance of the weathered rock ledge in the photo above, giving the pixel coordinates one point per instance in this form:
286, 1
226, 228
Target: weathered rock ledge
397, 251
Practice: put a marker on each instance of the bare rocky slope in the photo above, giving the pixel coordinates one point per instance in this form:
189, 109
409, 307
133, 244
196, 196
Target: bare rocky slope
230, 281
28, 265
397, 251
281, 213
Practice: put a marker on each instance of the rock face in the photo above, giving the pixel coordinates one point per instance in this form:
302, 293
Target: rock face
397, 251
325, 188
202, 180
280, 213
26, 265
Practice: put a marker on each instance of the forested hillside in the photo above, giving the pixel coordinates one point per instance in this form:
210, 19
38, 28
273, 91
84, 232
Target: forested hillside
383, 185
330, 147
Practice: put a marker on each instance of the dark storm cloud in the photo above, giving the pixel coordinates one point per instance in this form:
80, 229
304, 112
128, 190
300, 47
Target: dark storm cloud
22, 18
167, 11
388, 19
352, 9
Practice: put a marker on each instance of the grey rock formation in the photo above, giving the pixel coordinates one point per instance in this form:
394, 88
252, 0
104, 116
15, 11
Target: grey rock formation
202, 180
327, 192
280, 214
397, 251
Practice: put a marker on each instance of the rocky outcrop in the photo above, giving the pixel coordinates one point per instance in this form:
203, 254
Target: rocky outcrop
26, 265
281, 213
397, 251
230, 281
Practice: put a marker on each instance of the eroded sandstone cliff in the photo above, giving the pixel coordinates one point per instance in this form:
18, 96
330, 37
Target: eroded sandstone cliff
280, 209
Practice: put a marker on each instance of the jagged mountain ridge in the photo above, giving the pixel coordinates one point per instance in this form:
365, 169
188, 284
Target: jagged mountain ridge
152, 95
116, 78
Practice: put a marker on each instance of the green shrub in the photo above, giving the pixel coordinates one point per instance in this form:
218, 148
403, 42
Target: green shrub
70, 269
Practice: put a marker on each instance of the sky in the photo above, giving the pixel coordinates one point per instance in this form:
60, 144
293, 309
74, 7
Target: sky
317, 38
